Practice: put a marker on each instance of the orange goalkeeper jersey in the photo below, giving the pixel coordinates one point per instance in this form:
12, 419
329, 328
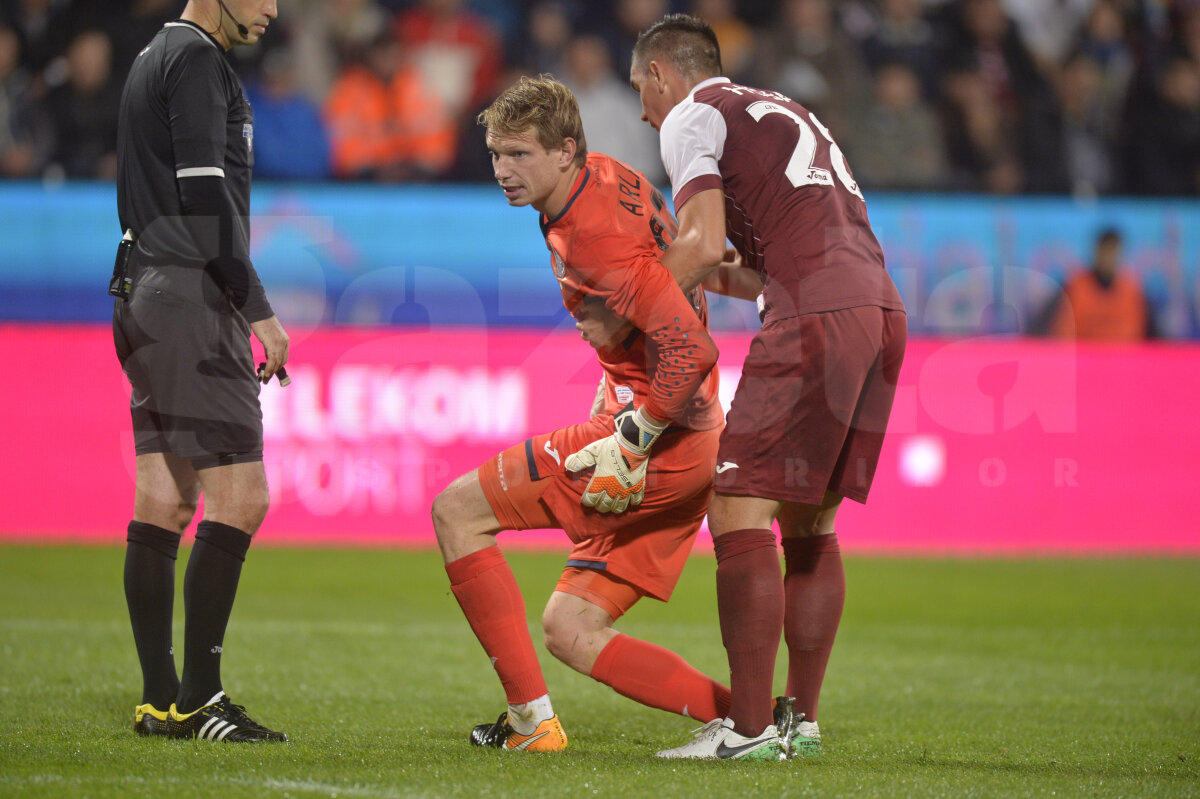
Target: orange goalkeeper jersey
605, 247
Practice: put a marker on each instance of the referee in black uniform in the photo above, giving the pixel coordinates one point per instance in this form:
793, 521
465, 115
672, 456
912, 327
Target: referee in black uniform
188, 300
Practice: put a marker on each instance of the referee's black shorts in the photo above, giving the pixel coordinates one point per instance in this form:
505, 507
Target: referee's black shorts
195, 394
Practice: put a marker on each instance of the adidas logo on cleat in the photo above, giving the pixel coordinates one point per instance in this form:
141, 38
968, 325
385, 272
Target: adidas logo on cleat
216, 730
222, 720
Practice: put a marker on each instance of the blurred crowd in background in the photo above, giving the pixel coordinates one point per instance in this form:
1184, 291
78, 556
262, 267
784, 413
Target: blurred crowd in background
1081, 97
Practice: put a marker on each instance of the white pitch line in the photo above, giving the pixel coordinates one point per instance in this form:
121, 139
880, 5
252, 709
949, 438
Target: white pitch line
357, 790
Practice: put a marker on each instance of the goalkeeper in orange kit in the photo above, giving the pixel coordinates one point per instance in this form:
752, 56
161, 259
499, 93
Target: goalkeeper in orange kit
630, 486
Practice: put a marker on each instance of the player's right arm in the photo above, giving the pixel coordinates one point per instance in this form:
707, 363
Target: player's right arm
699, 248
693, 139
731, 279
197, 111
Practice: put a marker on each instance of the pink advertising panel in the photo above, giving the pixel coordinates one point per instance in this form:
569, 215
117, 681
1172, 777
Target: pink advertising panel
996, 445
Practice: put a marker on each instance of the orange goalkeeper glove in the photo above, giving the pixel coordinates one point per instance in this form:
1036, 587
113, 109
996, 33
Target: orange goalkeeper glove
620, 460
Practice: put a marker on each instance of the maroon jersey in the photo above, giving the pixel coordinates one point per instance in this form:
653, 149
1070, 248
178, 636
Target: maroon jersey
792, 207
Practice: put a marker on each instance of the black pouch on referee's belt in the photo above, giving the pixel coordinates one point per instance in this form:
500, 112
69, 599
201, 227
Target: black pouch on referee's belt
120, 283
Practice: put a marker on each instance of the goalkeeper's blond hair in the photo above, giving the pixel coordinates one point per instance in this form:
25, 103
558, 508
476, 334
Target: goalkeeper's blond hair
541, 103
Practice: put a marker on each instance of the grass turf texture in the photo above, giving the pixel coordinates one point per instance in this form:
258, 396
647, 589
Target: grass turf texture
950, 678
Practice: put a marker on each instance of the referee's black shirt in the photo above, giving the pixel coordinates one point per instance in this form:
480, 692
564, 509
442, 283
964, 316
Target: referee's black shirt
184, 116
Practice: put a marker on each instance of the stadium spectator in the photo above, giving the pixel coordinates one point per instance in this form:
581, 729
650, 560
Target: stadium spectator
24, 135
1005, 145
1103, 303
458, 54
504, 17
733, 34
903, 35
383, 121
290, 141
1105, 39
542, 46
619, 23
44, 28
981, 139
1166, 138
990, 50
807, 57
327, 35
1081, 161
1048, 29
606, 105
895, 141
1185, 42
83, 110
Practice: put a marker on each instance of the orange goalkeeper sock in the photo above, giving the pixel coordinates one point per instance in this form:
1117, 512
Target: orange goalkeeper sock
488, 594
658, 677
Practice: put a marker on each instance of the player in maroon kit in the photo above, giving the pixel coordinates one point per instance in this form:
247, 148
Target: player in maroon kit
807, 422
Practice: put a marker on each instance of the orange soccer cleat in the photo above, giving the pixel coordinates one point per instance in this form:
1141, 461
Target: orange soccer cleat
547, 737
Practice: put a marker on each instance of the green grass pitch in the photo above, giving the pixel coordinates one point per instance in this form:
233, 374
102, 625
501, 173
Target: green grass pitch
954, 678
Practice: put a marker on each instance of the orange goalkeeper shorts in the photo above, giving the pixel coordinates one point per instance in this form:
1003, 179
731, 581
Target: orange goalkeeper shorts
646, 546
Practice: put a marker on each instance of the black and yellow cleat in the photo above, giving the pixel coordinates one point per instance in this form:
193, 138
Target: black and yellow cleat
150, 721
222, 720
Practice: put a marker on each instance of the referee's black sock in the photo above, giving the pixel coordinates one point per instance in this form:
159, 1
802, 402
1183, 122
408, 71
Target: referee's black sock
150, 594
209, 588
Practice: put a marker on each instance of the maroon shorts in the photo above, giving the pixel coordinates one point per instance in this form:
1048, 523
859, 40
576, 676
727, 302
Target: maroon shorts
812, 406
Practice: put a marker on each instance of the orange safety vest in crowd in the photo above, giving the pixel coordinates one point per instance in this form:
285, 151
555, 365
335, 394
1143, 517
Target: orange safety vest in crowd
374, 124
1090, 311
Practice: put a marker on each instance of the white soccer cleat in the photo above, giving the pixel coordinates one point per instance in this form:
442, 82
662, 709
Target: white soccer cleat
716, 740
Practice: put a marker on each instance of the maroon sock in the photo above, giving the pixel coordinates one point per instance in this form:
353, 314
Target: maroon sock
750, 605
814, 591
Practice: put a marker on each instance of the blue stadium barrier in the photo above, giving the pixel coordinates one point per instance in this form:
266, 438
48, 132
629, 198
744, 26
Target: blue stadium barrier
457, 255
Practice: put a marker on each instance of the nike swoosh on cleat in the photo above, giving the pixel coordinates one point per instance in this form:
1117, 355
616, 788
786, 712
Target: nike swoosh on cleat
525, 744
725, 752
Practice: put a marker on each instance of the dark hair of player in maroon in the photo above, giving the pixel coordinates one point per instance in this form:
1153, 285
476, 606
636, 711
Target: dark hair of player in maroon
688, 43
